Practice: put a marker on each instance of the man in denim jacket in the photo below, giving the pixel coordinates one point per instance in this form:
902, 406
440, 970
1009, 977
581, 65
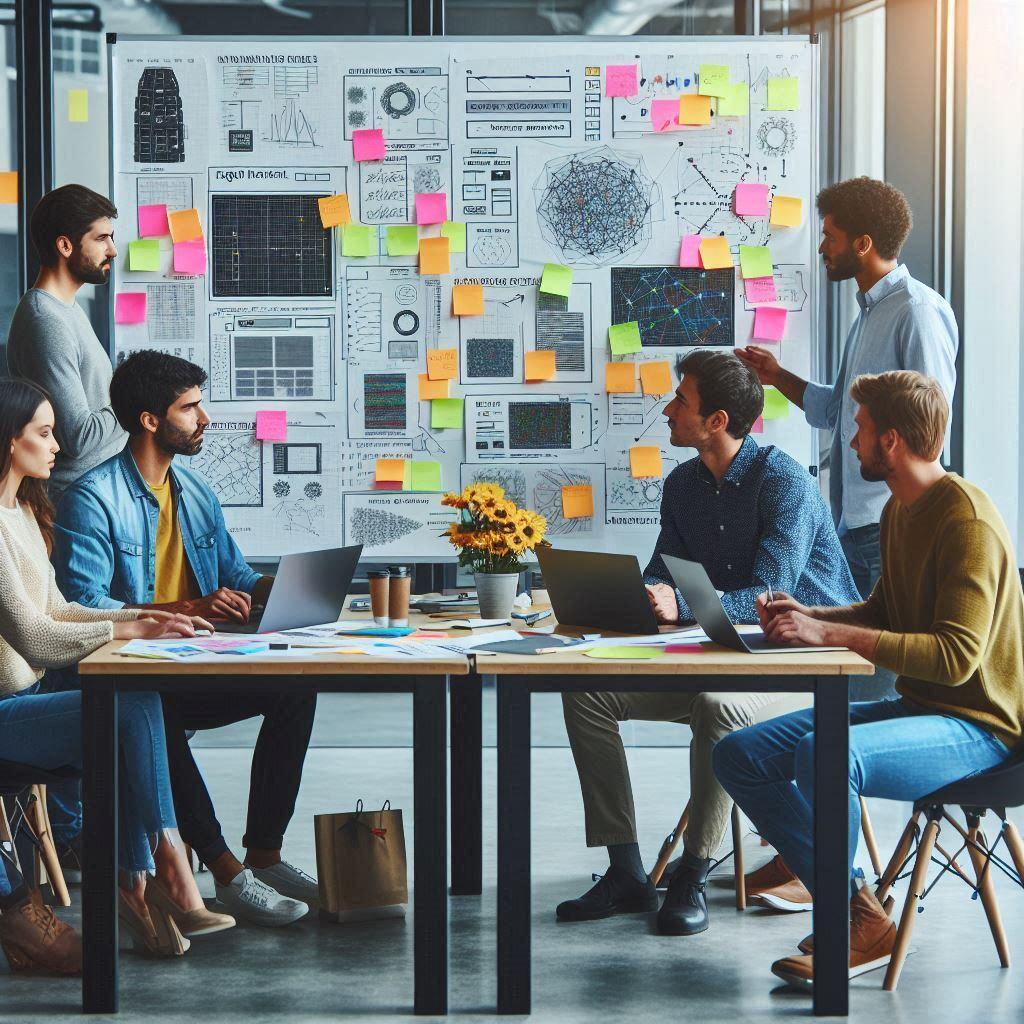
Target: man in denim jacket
141, 531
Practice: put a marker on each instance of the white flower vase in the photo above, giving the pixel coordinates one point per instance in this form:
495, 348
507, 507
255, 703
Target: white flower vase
496, 591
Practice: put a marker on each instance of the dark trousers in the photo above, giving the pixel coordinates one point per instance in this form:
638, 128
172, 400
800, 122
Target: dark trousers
276, 764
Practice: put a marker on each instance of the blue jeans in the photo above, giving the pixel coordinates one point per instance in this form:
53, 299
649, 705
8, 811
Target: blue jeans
63, 799
45, 730
897, 751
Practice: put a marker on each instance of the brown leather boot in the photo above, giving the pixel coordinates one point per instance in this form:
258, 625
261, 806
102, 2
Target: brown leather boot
35, 939
775, 886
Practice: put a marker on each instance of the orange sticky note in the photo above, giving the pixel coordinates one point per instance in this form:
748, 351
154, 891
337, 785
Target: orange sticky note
8, 186
467, 299
645, 460
184, 225
656, 377
577, 501
431, 389
434, 258
539, 365
442, 363
715, 253
694, 109
390, 471
334, 210
620, 378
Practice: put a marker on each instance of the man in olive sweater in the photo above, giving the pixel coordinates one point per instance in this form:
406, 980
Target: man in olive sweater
947, 615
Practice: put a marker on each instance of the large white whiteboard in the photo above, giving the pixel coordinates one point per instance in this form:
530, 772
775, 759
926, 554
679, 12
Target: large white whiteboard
520, 136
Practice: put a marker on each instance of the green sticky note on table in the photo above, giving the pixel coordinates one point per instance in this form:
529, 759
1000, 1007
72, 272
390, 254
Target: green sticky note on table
403, 240
422, 476
784, 93
144, 254
358, 240
756, 261
776, 404
735, 101
625, 653
456, 235
625, 338
713, 80
446, 412
556, 280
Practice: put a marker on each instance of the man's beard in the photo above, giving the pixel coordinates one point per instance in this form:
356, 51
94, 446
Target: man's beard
86, 272
874, 470
177, 442
844, 268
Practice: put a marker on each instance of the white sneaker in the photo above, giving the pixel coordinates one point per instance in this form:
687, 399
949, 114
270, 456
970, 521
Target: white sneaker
249, 899
290, 881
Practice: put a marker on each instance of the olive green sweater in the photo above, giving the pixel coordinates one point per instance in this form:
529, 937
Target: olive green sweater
950, 607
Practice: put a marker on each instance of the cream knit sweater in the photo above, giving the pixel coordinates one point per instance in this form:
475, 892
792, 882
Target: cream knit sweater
38, 628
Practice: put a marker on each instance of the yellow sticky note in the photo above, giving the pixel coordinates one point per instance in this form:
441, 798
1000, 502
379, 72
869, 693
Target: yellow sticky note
431, 389
735, 101
184, 225
446, 413
455, 232
539, 365
787, 212
715, 253
468, 299
390, 471
776, 405
694, 109
620, 378
78, 105
442, 363
644, 460
434, 258
656, 377
577, 501
8, 186
334, 210
784, 93
714, 79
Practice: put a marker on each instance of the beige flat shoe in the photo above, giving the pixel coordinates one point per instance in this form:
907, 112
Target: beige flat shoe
189, 922
154, 934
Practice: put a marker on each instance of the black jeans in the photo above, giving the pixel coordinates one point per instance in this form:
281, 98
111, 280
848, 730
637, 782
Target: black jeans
276, 764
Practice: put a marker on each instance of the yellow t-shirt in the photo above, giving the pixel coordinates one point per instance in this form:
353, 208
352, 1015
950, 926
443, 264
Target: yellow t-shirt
174, 580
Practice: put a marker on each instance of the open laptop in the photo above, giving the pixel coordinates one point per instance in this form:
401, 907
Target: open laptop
692, 581
309, 589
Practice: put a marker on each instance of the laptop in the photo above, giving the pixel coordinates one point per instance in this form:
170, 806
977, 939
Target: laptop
693, 582
309, 590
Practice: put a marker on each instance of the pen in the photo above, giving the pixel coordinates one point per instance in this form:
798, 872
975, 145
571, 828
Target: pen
771, 596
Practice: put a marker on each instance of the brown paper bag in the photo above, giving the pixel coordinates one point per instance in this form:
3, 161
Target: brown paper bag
360, 861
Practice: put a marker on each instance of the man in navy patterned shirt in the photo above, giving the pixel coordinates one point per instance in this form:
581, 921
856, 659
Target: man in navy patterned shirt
754, 518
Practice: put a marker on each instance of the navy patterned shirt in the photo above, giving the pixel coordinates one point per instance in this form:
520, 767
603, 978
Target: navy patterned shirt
765, 525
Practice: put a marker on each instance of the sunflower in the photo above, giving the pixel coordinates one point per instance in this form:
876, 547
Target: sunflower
516, 542
502, 512
454, 501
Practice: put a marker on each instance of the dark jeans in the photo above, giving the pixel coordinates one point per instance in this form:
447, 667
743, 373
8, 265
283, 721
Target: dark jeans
63, 799
276, 764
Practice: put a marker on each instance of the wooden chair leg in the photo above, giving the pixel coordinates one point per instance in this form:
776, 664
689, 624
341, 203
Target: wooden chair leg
6, 836
668, 847
892, 869
1015, 846
869, 838
737, 859
47, 852
987, 888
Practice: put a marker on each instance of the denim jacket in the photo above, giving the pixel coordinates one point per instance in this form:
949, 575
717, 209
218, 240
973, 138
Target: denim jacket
104, 549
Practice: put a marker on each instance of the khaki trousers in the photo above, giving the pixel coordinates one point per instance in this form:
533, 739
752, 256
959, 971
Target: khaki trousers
592, 721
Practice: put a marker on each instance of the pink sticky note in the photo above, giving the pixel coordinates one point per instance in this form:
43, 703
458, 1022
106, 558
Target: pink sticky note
689, 251
153, 221
752, 200
760, 289
620, 80
271, 425
130, 308
190, 257
368, 144
769, 323
431, 207
758, 426
665, 115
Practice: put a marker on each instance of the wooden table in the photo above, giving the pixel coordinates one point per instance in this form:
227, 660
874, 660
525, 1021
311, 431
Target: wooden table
104, 674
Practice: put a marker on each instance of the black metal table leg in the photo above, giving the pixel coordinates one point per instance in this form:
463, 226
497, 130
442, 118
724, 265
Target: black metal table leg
466, 710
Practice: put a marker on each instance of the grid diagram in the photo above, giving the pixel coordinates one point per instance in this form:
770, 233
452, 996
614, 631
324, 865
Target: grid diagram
268, 366
384, 401
542, 425
170, 312
159, 123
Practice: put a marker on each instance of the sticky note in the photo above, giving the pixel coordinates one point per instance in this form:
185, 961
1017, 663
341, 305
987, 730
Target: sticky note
735, 101
715, 254
8, 186
556, 280
431, 207
644, 460
78, 105
130, 308
424, 476
368, 144
784, 93
334, 210
455, 232
656, 377
625, 338
756, 261
390, 471
776, 404
144, 254
358, 240
760, 289
468, 299
620, 378
539, 365
184, 225
626, 653
271, 425
434, 257
620, 80
153, 221
757, 427
694, 109
446, 412
787, 212
689, 251
190, 258
403, 240
432, 389
665, 115
769, 323
714, 79
751, 200
442, 364
577, 501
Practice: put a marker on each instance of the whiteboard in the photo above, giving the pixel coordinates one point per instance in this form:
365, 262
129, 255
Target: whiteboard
541, 166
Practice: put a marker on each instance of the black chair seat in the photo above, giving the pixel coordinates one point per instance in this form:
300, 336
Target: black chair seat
999, 787
14, 777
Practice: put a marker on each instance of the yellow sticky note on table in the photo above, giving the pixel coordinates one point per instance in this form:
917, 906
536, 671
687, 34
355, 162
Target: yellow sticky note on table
735, 101
358, 240
78, 105
423, 476
776, 404
184, 225
431, 389
539, 365
556, 280
784, 93
620, 378
787, 212
694, 109
390, 471
624, 338
446, 412
434, 258
713, 79
644, 460
468, 299
656, 377
442, 363
455, 232
577, 501
715, 253
334, 210
8, 186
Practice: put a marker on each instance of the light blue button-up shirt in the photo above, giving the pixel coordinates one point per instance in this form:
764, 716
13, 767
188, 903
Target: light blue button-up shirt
902, 325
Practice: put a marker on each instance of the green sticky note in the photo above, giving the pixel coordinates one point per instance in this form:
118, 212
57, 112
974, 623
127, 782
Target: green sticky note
424, 476
456, 235
784, 93
144, 254
625, 653
735, 101
358, 240
556, 280
776, 405
446, 412
714, 80
625, 338
403, 240
755, 261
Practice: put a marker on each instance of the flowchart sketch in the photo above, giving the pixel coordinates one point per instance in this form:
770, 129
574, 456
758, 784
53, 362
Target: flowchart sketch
159, 119
392, 312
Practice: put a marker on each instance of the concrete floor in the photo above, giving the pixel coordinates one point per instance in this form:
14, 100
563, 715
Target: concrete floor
603, 971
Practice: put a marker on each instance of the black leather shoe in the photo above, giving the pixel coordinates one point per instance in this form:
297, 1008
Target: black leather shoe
685, 910
616, 892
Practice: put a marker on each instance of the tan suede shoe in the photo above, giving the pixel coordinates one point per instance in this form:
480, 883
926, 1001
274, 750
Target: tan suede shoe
776, 887
35, 939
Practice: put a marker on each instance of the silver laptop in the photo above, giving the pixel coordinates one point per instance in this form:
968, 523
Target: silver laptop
692, 581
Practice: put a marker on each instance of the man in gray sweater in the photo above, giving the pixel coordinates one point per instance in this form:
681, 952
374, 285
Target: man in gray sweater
51, 341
